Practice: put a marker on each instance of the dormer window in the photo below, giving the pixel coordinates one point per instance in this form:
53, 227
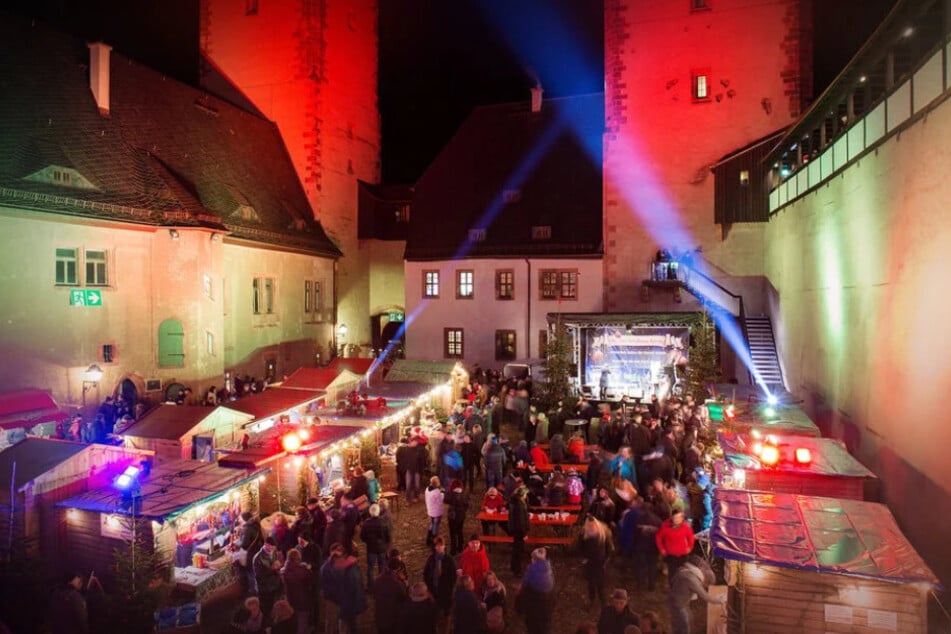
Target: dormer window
476, 235
62, 176
541, 232
511, 196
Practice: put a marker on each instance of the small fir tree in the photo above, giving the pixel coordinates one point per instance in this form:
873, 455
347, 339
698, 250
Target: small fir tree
703, 365
557, 366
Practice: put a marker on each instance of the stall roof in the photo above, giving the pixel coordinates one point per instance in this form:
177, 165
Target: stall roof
428, 372
785, 419
169, 490
272, 402
359, 366
829, 457
33, 458
826, 535
266, 446
171, 422
319, 378
26, 408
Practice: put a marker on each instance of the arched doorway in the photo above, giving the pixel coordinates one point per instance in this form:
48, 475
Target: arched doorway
129, 393
386, 326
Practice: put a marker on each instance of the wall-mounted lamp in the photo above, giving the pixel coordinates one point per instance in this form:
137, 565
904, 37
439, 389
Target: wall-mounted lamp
215, 237
173, 233
91, 377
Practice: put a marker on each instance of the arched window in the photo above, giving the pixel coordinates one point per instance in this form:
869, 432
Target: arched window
171, 344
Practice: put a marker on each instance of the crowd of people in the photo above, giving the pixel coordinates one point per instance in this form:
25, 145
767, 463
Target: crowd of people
636, 470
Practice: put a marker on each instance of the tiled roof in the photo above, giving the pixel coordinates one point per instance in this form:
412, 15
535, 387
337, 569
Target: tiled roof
167, 154
536, 169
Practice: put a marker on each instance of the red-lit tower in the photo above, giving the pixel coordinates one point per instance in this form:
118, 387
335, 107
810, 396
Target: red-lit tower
686, 82
311, 66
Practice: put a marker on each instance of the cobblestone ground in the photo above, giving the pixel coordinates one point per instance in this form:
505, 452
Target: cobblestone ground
410, 523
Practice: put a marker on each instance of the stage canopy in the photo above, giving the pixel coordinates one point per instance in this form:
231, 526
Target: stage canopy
825, 535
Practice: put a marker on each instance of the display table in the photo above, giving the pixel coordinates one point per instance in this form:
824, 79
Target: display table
203, 582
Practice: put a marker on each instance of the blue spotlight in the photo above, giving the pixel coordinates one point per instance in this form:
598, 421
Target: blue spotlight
128, 478
771, 399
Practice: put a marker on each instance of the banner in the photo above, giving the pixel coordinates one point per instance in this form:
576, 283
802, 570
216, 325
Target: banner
638, 362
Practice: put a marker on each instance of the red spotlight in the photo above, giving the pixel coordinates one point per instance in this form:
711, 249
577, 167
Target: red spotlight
769, 456
803, 456
291, 443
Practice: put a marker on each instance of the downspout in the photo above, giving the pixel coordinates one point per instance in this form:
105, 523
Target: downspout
333, 332
528, 319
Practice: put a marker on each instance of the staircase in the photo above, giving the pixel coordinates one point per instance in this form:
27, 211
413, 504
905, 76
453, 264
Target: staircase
759, 332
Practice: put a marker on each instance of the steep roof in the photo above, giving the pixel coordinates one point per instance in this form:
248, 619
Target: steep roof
167, 154
171, 422
25, 408
33, 458
357, 365
508, 170
311, 378
273, 401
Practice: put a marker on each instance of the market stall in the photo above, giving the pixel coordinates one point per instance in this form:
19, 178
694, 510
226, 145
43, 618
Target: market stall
742, 417
798, 563
183, 511
176, 432
792, 464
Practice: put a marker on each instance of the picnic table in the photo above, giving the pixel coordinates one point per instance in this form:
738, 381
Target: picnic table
568, 508
536, 519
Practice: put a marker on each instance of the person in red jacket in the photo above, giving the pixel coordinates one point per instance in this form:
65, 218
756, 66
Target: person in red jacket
576, 448
475, 562
539, 457
492, 502
675, 542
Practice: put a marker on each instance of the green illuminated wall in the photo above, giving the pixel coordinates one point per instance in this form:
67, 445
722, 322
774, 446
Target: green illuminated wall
862, 270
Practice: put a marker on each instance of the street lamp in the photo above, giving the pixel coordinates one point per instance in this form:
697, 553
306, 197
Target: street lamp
91, 377
341, 335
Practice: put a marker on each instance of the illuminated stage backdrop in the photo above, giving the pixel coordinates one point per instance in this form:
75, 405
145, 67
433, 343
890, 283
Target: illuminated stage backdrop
634, 361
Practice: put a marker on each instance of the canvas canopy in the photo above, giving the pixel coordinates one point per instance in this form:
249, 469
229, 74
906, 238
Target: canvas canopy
829, 457
826, 535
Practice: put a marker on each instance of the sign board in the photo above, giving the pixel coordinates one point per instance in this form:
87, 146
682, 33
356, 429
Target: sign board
396, 316
838, 614
85, 297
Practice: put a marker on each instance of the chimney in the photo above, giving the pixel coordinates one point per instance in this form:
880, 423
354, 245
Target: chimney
99, 74
537, 98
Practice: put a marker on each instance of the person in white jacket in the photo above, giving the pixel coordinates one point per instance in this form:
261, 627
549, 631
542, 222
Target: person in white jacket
434, 508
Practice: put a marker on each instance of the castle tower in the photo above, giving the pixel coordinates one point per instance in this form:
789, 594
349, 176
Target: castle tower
311, 66
686, 82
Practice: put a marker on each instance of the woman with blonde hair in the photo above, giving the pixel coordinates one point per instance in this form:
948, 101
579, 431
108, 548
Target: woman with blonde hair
595, 544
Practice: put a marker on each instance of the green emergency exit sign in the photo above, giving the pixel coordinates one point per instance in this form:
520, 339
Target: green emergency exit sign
85, 297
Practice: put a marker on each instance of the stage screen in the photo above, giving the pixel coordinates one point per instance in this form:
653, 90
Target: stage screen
634, 362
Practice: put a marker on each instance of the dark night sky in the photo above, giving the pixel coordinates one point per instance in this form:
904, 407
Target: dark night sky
439, 58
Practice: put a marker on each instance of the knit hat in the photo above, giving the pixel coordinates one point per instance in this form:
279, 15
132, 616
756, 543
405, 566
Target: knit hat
619, 594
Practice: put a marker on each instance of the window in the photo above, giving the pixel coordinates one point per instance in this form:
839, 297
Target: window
744, 177
543, 343
108, 353
67, 263
210, 343
96, 270
430, 283
208, 287
700, 84
504, 345
171, 344
263, 300
312, 298
541, 232
307, 294
316, 298
464, 285
505, 285
558, 284
699, 5
476, 235
453, 343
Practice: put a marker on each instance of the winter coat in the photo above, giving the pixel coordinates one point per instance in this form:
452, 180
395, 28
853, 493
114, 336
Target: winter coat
297, 585
359, 486
495, 459
342, 584
390, 598
675, 541
458, 503
614, 622
419, 617
539, 457
496, 503
689, 580
475, 563
557, 448
536, 609
375, 535
441, 588
539, 576
518, 517
434, 501
468, 617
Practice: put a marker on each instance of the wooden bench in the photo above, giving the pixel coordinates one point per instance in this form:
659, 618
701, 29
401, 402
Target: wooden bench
529, 539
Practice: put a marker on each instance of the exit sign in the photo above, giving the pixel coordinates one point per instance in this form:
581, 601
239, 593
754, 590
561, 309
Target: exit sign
396, 316
83, 297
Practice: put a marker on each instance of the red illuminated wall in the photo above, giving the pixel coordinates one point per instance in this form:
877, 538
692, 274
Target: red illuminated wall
311, 66
751, 52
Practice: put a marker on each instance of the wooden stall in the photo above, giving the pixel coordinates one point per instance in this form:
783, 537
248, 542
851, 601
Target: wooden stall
183, 511
333, 383
321, 454
798, 563
181, 432
43, 471
276, 405
793, 464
